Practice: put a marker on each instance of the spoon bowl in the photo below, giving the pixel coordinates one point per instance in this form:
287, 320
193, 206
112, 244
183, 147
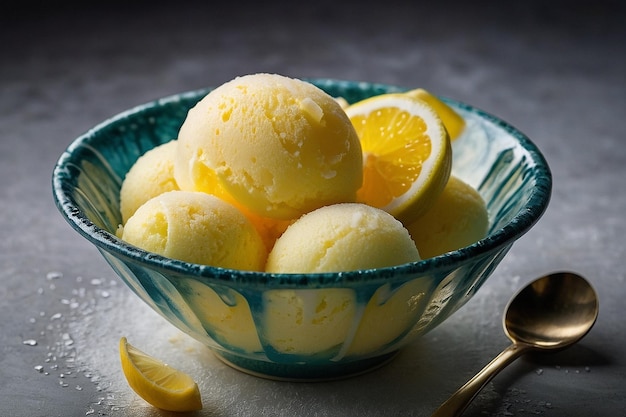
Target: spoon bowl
551, 313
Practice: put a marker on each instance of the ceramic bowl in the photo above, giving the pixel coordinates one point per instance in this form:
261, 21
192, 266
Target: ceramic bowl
302, 326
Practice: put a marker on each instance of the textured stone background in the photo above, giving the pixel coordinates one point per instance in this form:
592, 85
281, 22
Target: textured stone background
554, 69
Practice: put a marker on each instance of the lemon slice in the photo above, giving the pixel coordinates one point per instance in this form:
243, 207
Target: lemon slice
452, 120
159, 384
407, 156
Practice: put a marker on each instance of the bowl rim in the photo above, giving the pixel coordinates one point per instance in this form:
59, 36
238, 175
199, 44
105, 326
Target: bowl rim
495, 241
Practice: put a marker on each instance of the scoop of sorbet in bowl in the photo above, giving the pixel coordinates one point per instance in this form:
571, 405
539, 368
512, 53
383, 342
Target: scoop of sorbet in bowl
280, 146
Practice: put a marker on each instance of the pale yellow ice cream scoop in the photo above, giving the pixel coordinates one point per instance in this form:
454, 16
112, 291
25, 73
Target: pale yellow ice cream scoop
342, 237
152, 174
196, 227
279, 146
457, 218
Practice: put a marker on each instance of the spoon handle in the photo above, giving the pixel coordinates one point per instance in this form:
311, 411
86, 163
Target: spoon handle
457, 403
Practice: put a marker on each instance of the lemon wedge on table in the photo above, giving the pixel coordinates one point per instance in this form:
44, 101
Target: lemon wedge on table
156, 382
407, 156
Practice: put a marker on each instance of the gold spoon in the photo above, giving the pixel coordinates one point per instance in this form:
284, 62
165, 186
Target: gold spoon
552, 312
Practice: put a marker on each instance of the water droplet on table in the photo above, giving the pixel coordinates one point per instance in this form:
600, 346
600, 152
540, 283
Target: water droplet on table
53, 275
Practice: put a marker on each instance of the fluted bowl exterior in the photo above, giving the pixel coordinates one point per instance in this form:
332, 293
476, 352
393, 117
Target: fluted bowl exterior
302, 326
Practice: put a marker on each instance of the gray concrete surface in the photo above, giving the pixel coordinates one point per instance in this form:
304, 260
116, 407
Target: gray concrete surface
554, 69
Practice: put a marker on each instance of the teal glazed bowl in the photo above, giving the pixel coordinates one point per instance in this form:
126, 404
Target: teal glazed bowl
302, 326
